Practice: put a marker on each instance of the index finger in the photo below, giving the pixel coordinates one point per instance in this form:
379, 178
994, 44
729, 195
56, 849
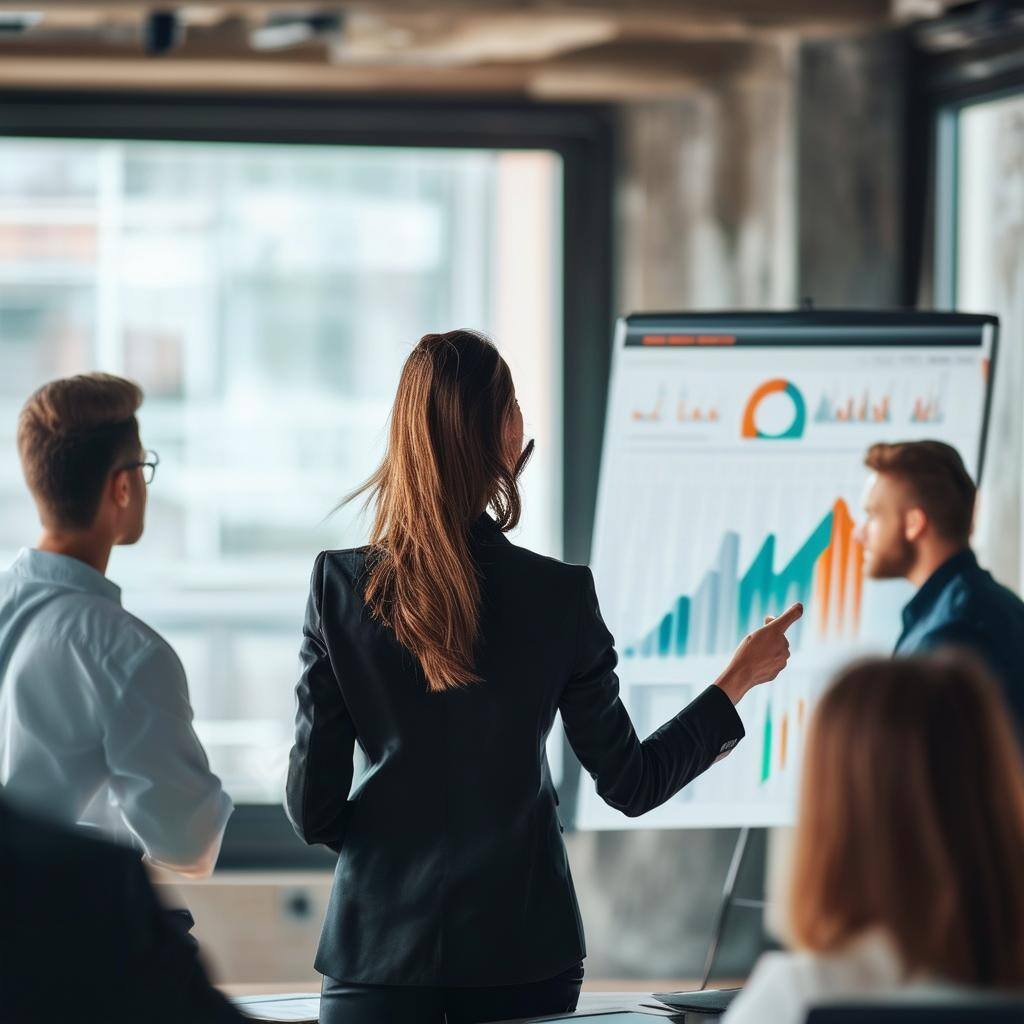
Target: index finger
788, 617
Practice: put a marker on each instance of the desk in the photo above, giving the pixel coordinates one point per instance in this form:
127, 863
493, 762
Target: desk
592, 1002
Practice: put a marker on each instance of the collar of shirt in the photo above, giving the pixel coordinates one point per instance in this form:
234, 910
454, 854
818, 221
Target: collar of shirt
486, 530
920, 604
64, 571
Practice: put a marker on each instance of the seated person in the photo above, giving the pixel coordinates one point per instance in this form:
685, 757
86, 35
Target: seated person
84, 938
918, 517
92, 700
907, 869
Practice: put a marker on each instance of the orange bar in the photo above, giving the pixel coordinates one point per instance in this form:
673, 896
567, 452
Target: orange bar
716, 339
782, 741
824, 586
682, 339
857, 558
653, 339
842, 529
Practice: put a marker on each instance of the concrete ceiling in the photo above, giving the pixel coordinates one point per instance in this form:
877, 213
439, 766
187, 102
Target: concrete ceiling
558, 49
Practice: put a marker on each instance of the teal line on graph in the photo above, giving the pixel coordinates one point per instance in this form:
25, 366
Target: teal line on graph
726, 606
766, 755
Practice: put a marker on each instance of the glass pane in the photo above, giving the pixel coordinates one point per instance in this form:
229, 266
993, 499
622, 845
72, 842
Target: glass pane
990, 279
265, 298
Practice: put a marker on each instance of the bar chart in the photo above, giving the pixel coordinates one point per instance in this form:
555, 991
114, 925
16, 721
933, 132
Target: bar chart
863, 408
825, 574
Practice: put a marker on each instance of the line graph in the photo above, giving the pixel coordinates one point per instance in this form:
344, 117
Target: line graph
826, 574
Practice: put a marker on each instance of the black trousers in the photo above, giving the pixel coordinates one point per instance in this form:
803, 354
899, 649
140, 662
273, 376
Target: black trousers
345, 1003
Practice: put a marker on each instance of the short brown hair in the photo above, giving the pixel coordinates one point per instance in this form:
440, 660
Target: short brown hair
71, 433
912, 820
938, 479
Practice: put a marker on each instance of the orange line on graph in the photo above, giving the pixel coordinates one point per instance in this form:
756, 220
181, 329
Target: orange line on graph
695, 414
823, 587
783, 734
800, 709
839, 576
842, 528
654, 415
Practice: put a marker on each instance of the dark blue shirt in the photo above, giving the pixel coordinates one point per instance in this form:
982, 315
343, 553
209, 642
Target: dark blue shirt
961, 605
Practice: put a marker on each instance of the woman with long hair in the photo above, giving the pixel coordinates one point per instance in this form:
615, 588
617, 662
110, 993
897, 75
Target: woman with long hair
445, 652
907, 874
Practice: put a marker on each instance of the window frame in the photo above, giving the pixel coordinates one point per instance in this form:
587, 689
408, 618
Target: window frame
259, 835
987, 64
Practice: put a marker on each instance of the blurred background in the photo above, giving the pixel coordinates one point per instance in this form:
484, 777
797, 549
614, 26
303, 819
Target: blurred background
256, 208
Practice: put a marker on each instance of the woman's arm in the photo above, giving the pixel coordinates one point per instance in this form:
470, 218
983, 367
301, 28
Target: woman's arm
320, 764
636, 777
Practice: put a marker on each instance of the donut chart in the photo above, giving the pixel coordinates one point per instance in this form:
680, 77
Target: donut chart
778, 385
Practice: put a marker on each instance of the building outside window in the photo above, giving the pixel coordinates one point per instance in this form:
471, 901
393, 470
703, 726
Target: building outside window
984, 156
265, 297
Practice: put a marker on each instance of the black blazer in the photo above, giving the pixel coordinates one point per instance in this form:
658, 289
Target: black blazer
83, 937
452, 870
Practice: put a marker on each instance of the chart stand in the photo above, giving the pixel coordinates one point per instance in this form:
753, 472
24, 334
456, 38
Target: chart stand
727, 901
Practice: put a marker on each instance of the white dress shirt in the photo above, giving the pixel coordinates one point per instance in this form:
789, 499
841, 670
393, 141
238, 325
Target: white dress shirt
784, 986
92, 698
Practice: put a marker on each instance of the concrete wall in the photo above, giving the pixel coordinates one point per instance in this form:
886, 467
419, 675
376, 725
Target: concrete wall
706, 214
852, 146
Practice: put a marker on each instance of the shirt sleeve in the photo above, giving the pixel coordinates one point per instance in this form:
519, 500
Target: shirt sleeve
320, 763
771, 994
160, 775
631, 776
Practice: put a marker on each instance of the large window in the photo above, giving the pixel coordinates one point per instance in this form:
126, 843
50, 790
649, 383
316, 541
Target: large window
990, 204
980, 263
265, 297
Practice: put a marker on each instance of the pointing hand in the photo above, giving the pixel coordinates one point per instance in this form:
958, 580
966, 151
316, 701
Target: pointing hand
761, 655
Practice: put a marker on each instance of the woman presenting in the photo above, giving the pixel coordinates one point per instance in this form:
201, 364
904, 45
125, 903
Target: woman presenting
445, 652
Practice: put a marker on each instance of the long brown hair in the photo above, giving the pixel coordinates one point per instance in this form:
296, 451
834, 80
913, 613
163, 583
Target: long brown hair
446, 462
912, 820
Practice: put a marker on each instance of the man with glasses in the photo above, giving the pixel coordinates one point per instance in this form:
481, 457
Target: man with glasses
92, 700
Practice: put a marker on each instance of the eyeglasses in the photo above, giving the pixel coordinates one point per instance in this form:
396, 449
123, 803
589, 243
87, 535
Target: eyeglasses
147, 464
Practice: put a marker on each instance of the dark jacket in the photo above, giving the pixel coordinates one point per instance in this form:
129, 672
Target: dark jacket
962, 606
452, 870
83, 937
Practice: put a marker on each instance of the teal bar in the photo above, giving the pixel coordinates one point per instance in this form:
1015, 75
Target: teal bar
682, 625
702, 623
665, 636
766, 754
